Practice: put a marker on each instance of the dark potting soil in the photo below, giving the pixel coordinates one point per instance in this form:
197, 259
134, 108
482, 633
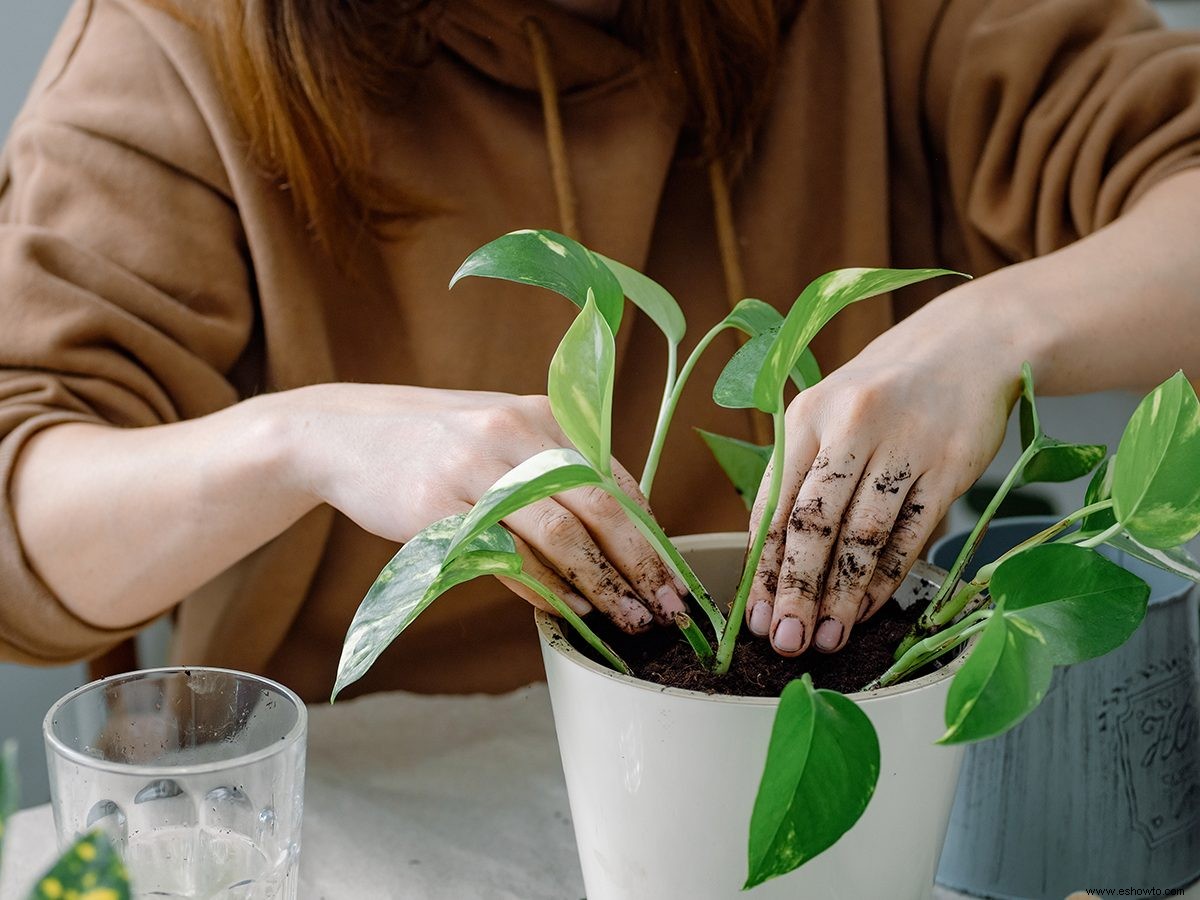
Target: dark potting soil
662, 656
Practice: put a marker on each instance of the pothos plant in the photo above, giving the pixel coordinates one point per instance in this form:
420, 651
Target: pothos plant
89, 870
1051, 601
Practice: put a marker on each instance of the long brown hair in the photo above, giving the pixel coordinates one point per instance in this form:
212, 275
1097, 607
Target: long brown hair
293, 70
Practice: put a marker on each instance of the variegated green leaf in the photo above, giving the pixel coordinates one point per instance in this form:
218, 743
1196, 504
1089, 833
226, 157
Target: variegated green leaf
1082, 604
581, 385
650, 297
1002, 681
415, 577
549, 260
822, 767
824, 298
549, 472
1156, 475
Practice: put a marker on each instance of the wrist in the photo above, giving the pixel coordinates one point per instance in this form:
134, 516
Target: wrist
283, 445
991, 325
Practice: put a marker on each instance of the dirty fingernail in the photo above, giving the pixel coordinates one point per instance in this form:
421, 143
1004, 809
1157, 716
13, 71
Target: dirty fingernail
760, 619
680, 586
789, 635
669, 601
829, 634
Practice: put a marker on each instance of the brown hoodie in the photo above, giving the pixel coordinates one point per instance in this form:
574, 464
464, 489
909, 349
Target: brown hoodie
149, 273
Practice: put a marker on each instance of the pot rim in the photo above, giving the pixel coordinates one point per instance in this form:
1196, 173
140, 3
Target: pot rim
552, 635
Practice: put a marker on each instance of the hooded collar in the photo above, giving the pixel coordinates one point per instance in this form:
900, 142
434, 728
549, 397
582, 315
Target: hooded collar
489, 36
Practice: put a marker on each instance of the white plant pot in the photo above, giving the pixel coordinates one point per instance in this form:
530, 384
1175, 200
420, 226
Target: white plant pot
662, 781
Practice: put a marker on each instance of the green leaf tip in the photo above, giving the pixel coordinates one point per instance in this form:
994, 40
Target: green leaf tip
822, 768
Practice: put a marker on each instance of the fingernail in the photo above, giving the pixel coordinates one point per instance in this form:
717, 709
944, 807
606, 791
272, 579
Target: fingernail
789, 635
669, 601
680, 586
578, 605
829, 634
760, 618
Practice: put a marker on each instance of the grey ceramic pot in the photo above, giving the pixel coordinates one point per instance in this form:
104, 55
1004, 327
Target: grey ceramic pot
1099, 786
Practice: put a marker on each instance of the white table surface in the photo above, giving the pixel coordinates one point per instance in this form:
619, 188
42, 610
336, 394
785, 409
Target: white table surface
412, 797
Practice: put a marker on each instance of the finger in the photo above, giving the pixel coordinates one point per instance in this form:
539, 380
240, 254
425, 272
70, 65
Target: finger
811, 532
537, 569
922, 509
865, 531
630, 486
625, 547
559, 538
760, 603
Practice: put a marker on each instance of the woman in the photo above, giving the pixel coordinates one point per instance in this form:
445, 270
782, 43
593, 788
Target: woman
228, 227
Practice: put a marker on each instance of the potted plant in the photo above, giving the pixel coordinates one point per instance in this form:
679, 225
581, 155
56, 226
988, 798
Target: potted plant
666, 784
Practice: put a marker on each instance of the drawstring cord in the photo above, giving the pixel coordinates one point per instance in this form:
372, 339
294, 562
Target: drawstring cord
735, 280
564, 191
556, 144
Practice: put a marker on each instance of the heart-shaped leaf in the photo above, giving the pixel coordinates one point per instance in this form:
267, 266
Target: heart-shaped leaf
752, 317
824, 298
90, 870
744, 463
415, 577
735, 385
822, 766
1082, 604
650, 297
1176, 560
1156, 476
581, 385
10, 787
549, 472
1003, 680
549, 260
1055, 460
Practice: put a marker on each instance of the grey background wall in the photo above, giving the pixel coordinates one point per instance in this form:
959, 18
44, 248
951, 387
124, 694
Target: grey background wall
26, 28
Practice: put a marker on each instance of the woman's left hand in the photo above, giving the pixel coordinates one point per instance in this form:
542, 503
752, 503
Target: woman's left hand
875, 455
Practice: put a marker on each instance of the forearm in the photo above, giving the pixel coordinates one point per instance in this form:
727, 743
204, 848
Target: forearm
1117, 309
123, 523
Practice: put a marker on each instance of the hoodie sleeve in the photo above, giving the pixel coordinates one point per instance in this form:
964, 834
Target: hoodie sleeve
124, 287
1048, 118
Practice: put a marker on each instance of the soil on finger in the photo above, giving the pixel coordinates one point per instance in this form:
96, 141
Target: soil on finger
663, 657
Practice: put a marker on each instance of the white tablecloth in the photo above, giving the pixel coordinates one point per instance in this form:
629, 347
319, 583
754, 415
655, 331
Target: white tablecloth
413, 798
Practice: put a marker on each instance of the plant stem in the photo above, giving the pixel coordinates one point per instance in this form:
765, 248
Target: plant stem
929, 649
1095, 541
737, 612
666, 411
983, 577
935, 613
670, 401
663, 547
695, 637
575, 621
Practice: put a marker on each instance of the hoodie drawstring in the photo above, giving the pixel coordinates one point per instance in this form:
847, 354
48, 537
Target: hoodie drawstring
556, 143
564, 191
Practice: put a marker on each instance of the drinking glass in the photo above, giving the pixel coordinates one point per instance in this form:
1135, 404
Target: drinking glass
195, 774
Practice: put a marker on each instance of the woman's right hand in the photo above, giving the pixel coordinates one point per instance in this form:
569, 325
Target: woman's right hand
395, 459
